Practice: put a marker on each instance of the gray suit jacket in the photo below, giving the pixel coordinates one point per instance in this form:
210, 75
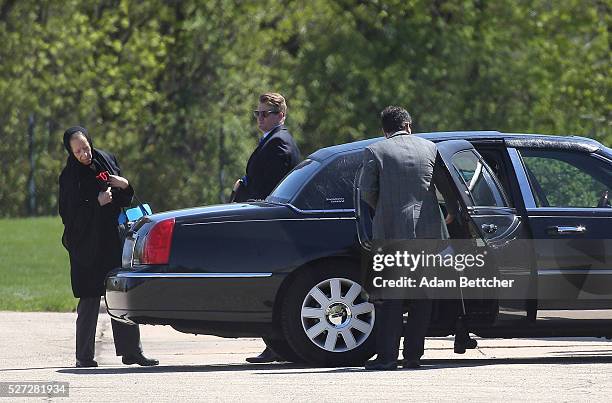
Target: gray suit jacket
399, 174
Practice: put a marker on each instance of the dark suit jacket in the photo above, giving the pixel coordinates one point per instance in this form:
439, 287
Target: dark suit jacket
269, 163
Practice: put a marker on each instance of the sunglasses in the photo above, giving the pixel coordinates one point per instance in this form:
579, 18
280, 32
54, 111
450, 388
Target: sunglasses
264, 114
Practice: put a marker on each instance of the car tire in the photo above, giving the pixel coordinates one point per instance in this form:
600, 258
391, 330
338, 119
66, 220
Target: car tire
326, 317
281, 348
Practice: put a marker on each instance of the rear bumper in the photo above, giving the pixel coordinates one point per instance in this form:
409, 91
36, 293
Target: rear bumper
230, 304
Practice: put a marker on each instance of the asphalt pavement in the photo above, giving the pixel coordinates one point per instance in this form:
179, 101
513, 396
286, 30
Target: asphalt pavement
39, 347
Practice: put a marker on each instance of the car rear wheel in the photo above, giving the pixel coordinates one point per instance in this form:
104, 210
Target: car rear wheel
327, 319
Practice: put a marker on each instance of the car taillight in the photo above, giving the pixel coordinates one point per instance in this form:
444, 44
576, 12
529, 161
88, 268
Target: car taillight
157, 244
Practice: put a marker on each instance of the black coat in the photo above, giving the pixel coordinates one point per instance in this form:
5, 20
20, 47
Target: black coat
269, 163
90, 230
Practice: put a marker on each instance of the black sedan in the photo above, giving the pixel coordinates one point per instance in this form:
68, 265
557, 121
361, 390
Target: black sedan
288, 268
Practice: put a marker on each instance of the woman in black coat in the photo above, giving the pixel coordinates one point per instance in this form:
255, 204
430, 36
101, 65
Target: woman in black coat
92, 192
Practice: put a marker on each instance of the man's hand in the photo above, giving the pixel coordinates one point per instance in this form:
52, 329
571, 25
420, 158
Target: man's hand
117, 181
105, 197
449, 219
237, 185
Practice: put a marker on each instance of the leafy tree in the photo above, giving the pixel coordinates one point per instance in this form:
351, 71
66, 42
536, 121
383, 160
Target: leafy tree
168, 86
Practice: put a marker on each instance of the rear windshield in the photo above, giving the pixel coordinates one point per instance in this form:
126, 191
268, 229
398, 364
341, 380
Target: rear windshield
331, 188
286, 190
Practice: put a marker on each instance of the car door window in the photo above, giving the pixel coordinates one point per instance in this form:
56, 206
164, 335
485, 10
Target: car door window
482, 188
567, 178
332, 187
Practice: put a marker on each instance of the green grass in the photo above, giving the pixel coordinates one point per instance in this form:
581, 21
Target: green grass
34, 267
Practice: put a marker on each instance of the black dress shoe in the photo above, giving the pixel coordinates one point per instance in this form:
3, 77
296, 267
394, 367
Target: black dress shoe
381, 365
139, 359
469, 344
266, 356
86, 363
411, 364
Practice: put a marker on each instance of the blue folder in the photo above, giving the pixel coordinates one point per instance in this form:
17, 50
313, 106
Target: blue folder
134, 213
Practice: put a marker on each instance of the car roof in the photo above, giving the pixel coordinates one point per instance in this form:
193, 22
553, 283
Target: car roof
511, 139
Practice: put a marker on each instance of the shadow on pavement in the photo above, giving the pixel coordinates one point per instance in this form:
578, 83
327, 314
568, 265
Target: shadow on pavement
27, 369
427, 364
432, 364
180, 368
584, 353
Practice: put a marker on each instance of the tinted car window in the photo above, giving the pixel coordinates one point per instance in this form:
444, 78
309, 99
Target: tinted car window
483, 189
285, 191
332, 187
566, 178
494, 158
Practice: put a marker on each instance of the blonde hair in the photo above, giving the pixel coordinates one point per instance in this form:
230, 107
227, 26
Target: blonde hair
276, 100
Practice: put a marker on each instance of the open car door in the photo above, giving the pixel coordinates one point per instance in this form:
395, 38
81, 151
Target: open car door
495, 225
481, 197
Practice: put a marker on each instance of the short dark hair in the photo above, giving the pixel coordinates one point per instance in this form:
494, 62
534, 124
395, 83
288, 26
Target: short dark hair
393, 119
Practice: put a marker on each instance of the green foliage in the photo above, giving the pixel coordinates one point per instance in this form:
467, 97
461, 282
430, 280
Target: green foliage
34, 269
168, 85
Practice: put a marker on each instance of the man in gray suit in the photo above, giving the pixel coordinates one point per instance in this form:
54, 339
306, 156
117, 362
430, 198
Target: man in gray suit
399, 174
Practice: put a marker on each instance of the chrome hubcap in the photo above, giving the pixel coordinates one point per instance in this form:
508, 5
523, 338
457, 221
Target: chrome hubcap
336, 315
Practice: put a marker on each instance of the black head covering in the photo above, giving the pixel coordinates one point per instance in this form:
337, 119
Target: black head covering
96, 163
73, 165
68, 135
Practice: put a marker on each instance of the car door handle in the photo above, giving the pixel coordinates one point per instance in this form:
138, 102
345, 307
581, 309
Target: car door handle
489, 228
561, 230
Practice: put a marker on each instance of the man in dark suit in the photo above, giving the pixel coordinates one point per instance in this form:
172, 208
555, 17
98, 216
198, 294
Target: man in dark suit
397, 182
275, 155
